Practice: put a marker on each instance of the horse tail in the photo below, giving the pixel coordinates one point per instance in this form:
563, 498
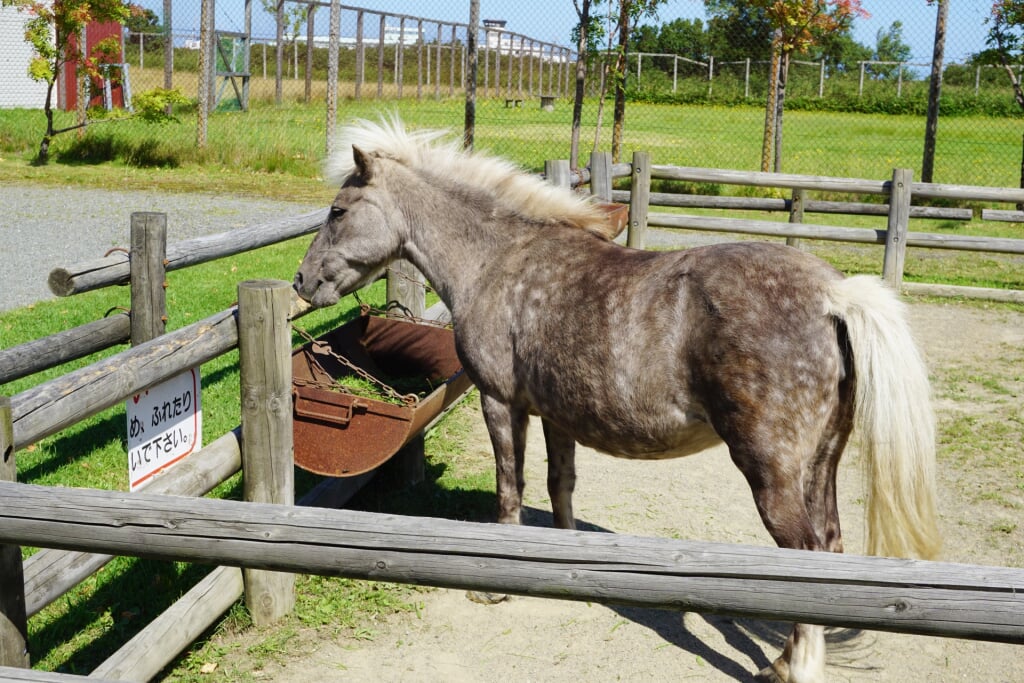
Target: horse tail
894, 417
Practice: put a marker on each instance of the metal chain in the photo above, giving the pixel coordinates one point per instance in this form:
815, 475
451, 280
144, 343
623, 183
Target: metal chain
323, 348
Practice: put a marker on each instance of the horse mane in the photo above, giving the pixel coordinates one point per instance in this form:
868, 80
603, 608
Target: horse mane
514, 188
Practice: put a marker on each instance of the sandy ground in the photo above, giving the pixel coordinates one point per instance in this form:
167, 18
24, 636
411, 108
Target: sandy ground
702, 497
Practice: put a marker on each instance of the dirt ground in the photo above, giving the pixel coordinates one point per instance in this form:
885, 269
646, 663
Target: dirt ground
976, 358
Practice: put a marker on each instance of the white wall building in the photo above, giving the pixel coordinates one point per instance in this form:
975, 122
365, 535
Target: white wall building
16, 88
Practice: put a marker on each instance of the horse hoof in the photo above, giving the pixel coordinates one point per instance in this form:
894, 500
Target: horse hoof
486, 598
770, 674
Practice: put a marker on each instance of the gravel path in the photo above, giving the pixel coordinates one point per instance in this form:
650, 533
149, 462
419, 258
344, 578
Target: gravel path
42, 228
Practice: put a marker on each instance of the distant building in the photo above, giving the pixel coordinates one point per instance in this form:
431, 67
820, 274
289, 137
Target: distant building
17, 89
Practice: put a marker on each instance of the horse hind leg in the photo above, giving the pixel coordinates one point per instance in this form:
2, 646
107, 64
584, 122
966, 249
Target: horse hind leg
778, 490
561, 448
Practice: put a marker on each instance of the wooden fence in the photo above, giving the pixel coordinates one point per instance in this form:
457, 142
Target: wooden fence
917, 597
900, 190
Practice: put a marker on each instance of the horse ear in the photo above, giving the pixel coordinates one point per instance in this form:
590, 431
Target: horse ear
364, 163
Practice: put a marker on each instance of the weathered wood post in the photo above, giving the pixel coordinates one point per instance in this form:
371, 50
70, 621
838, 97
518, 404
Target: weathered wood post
148, 263
896, 231
557, 172
13, 620
406, 296
264, 357
601, 175
639, 199
796, 213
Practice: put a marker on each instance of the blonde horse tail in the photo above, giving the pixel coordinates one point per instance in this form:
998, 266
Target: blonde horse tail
894, 417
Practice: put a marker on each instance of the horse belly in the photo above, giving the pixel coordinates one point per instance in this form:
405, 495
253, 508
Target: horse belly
676, 437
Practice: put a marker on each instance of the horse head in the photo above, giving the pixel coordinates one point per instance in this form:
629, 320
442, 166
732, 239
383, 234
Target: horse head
358, 240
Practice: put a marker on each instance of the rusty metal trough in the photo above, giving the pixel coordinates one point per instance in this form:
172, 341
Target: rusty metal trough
339, 434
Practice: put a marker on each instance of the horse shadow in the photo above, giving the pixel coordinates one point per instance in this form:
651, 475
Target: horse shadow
746, 640
749, 638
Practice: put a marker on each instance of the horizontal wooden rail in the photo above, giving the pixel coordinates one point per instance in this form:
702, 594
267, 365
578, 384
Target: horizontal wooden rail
114, 270
50, 573
932, 598
32, 357
834, 233
794, 181
697, 201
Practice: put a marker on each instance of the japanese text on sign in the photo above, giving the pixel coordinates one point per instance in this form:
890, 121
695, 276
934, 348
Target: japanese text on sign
164, 426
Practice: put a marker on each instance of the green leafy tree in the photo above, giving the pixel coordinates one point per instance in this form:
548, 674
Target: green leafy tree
889, 47
1006, 42
797, 25
144, 29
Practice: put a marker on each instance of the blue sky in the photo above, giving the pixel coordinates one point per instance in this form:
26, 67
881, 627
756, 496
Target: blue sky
552, 20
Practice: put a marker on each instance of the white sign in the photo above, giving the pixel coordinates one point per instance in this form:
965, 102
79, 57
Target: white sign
165, 424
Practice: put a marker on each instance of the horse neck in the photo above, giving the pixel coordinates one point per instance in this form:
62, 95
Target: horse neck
452, 244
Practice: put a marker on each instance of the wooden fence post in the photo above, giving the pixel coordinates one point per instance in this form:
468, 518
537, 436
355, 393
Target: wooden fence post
148, 263
601, 175
264, 356
13, 621
557, 172
639, 199
896, 231
796, 213
406, 296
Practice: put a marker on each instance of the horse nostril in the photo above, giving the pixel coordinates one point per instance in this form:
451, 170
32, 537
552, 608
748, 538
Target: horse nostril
297, 282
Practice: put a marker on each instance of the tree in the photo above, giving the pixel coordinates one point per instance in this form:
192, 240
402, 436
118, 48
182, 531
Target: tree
889, 47
1006, 42
54, 32
797, 25
144, 29
630, 13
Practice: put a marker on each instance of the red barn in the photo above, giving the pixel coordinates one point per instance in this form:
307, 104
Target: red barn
94, 33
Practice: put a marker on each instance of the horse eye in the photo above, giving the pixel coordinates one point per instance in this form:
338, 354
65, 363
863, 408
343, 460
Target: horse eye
335, 212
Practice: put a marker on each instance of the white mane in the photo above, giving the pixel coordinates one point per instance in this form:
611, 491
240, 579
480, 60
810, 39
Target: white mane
527, 194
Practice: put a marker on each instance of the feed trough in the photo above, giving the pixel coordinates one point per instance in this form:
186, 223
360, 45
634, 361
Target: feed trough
339, 433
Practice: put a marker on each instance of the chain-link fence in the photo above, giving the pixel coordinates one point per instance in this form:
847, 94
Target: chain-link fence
696, 79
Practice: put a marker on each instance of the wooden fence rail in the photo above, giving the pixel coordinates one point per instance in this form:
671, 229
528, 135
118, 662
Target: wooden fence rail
901, 191
911, 596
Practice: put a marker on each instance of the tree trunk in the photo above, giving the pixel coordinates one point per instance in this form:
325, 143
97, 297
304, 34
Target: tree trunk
934, 91
581, 75
769, 109
619, 113
780, 105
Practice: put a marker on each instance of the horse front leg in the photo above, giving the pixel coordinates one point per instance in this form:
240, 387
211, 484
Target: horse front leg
507, 427
561, 449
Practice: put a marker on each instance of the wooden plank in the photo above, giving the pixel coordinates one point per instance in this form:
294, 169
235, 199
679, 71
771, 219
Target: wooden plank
48, 352
1006, 215
1010, 296
764, 179
50, 573
13, 675
61, 402
834, 233
698, 201
639, 205
910, 596
13, 620
265, 368
115, 270
175, 629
